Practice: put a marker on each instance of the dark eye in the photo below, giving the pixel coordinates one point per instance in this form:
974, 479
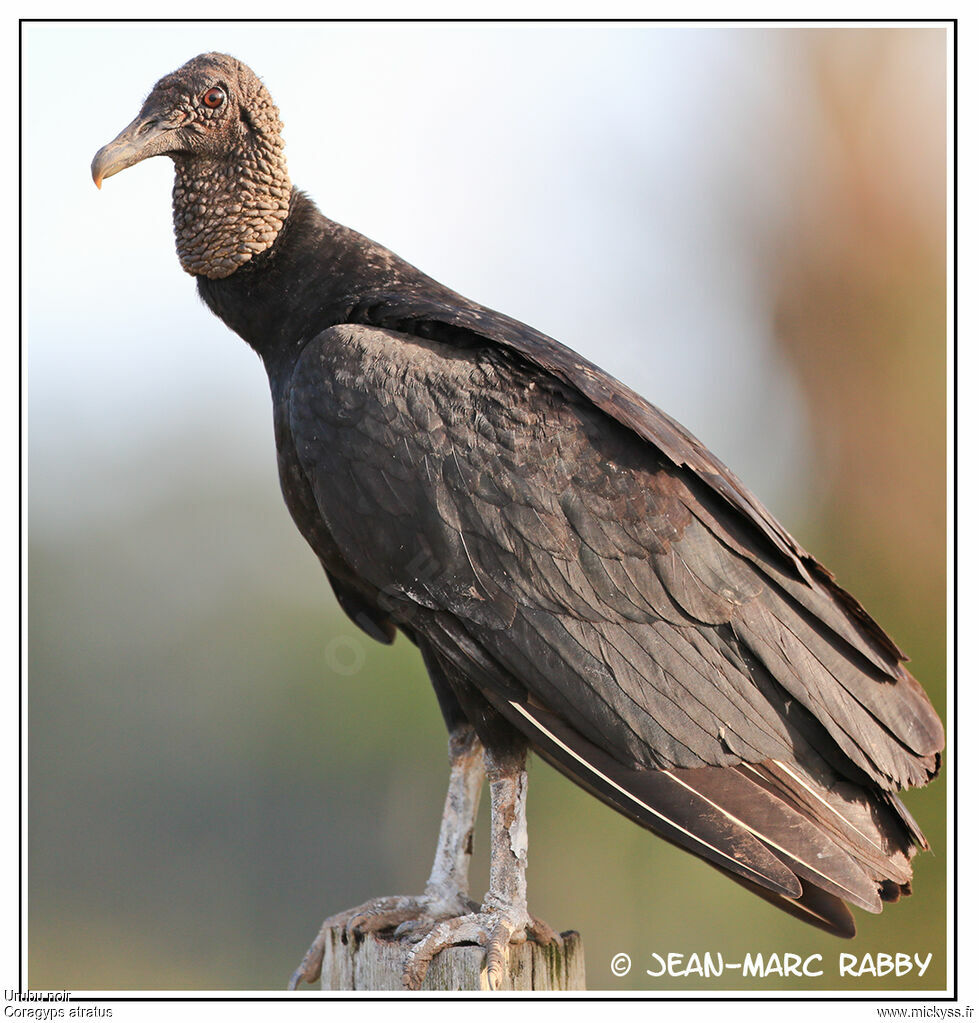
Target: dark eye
213, 98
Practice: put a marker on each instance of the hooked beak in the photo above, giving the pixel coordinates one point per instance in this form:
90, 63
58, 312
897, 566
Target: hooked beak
147, 136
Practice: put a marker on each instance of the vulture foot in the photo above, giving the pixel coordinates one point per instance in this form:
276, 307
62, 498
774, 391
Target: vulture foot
410, 914
492, 929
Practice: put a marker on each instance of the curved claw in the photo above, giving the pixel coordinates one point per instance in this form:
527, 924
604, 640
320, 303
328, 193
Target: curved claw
309, 969
375, 915
412, 915
496, 956
494, 931
382, 914
543, 933
450, 932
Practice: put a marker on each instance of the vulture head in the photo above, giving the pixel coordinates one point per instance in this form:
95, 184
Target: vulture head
216, 120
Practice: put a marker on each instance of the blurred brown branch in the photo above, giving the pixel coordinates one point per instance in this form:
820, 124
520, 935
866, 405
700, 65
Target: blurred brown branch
861, 313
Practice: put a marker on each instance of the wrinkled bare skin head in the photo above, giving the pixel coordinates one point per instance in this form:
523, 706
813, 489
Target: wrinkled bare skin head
194, 110
217, 121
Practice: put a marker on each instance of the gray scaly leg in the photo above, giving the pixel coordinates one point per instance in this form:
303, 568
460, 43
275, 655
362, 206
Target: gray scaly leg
446, 894
503, 917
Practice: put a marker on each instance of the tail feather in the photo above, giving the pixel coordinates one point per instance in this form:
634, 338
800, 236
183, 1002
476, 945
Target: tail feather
814, 906
799, 842
876, 831
658, 801
795, 833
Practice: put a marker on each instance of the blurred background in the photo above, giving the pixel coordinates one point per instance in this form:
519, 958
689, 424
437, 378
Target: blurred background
217, 758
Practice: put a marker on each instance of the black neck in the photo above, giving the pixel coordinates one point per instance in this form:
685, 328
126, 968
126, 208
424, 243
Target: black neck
319, 274
273, 300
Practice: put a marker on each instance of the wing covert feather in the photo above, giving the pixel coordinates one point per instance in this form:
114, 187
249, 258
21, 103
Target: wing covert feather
612, 583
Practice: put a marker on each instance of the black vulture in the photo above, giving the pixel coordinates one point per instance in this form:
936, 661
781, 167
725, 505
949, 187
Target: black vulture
582, 577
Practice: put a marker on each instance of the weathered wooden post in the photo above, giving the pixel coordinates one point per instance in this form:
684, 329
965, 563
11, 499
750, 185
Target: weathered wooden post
371, 963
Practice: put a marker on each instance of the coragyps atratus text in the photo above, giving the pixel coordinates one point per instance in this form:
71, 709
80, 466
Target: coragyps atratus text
581, 576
